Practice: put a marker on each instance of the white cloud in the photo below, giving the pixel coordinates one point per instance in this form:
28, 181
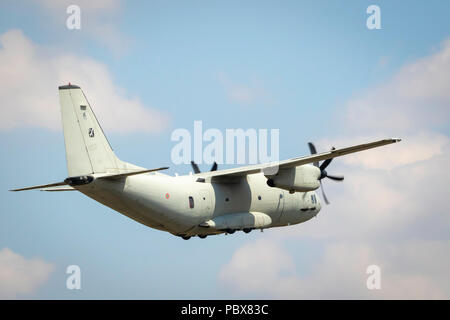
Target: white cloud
416, 97
264, 268
248, 94
98, 21
405, 271
20, 276
391, 210
257, 267
29, 96
413, 148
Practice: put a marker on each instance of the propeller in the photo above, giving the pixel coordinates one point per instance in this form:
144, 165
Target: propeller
197, 170
323, 172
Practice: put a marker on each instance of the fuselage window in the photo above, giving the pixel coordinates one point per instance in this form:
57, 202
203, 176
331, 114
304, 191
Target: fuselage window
191, 202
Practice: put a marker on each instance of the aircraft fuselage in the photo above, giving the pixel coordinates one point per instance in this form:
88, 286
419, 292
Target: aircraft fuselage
180, 204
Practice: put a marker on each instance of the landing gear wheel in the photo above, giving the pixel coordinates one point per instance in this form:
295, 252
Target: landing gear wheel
186, 237
202, 236
247, 230
230, 231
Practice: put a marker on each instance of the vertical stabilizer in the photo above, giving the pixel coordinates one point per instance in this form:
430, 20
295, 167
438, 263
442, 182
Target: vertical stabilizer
87, 149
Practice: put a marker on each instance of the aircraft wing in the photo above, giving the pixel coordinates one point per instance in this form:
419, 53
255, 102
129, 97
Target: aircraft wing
272, 168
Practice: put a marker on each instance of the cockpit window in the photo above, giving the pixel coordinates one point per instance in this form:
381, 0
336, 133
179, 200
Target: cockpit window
191, 202
313, 198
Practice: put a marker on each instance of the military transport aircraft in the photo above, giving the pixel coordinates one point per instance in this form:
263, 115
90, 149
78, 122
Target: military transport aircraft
201, 204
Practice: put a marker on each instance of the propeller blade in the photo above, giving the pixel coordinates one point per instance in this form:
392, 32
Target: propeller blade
325, 164
323, 173
323, 193
335, 178
313, 150
195, 167
214, 166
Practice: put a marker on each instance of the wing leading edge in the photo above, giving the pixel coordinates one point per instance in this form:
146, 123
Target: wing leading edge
272, 168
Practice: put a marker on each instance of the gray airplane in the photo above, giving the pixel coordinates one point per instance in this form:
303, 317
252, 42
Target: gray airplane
201, 204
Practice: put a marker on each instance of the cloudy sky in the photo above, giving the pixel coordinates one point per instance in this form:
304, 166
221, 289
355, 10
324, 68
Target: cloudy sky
311, 69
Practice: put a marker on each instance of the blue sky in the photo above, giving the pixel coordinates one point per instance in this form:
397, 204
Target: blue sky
300, 63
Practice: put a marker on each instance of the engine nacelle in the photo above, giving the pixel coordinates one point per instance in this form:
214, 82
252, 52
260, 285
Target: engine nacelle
302, 178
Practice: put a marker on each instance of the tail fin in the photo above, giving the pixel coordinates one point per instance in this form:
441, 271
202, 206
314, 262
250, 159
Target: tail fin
87, 149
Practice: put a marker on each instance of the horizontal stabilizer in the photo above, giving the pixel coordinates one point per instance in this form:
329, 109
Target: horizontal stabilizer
122, 175
70, 181
42, 186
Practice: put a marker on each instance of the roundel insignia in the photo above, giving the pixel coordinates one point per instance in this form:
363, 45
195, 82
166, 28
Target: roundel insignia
167, 195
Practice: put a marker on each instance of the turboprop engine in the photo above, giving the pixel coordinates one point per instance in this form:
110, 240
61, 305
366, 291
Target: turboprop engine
298, 179
303, 178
